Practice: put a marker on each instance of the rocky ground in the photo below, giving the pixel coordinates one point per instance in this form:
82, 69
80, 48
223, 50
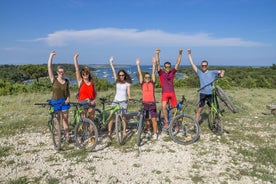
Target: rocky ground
33, 159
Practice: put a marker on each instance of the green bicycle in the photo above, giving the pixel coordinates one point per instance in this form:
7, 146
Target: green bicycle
85, 131
102, 117
215, 112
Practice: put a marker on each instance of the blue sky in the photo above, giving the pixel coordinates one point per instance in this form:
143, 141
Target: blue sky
224, 32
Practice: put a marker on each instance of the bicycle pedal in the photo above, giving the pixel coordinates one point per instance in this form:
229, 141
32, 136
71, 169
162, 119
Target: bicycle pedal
187, 138
92, 140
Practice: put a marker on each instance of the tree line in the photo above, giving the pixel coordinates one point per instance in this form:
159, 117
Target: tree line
13, 78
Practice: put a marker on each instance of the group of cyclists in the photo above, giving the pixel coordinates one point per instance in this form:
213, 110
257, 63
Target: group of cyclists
87, 90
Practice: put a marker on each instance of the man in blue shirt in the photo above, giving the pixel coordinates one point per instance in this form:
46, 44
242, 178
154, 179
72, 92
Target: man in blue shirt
205, 77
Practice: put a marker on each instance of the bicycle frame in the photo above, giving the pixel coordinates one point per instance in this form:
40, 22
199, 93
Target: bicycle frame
112, 109
178, 109
53, 124
214, 106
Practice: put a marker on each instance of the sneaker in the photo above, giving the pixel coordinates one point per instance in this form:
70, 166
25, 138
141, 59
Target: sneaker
166, 127
154, 137
148, 134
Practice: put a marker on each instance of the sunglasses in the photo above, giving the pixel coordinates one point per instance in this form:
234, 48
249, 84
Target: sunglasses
203, 65
83, 74
122, 75
167, 66
60, 72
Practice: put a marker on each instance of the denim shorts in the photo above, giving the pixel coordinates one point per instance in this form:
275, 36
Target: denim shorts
59, 104
123, 106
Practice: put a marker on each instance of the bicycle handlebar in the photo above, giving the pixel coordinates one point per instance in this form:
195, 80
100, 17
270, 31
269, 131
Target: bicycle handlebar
82, 103
140, 101
44, 104
217, 77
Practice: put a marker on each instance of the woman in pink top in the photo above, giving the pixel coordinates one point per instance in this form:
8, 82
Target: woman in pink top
148, 97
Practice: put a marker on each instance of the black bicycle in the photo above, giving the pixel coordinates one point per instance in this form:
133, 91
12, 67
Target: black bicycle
142, 115
183, 129
54, 124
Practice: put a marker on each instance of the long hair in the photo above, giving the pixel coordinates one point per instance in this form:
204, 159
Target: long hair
127, 76
87, 71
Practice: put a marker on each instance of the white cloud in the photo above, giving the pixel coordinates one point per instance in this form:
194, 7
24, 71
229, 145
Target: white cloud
134, 37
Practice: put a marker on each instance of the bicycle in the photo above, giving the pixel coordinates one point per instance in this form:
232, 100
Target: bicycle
183, 128
103, 117
215, 112
141, 117
85, 131
54, 124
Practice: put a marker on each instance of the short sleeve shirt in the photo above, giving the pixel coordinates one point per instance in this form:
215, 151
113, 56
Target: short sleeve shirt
166, 80
205, 78
121, 91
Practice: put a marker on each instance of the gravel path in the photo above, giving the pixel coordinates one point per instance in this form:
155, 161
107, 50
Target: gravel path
161, 161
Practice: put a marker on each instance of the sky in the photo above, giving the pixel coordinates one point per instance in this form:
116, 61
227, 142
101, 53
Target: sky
223, 32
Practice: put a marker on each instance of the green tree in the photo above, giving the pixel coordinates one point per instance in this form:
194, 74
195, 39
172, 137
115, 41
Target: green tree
33, 71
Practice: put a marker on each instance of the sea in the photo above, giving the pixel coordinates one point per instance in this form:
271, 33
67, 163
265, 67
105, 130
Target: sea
104, 71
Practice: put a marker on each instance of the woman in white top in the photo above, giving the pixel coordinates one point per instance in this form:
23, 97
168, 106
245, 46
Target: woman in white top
123, 82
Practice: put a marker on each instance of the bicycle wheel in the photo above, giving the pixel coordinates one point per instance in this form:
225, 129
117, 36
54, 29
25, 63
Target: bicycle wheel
184, 130
86, 134
223, 97
54, 127
214, 122
97, 117
140, 130
119, 128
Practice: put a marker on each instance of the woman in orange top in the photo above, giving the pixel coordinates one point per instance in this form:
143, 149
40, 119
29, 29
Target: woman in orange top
86, 85
148, 85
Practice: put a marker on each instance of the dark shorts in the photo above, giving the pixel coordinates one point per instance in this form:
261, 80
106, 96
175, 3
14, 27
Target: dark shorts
59, 104
85, 104
150, 110
204, 98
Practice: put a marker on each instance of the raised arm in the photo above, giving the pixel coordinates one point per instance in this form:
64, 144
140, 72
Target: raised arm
50, 71
157, 51
112, 67
178, 59
153, 69
191, 60
76, 63
139, 70
221, 73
